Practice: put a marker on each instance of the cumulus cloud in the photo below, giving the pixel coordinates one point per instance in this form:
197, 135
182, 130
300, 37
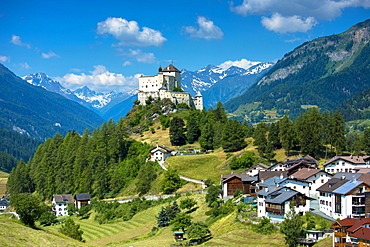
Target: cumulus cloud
129, 34
4, 59
295, 12
17, 41
140, 56
243, 63
292, 24
49, 55
100, 80
206, 29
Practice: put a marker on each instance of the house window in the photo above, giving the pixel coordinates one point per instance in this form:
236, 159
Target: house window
322, 181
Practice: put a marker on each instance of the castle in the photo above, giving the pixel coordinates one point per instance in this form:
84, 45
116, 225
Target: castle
162, 86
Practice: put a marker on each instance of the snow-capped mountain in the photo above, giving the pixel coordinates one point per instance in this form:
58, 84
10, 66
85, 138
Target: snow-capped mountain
84, 95
221, 83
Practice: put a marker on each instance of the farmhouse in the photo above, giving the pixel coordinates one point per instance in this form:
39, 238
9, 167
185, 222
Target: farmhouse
163, 86
60, 203
243, 182
82, 199
160, 153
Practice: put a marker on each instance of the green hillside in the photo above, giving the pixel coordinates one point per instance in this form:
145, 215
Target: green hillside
322, 72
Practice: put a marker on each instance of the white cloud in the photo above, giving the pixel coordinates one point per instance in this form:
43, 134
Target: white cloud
24, 65
302, 14
4, 59
243, 63
320, 9
100, 80
129, 33
126, 63
140, 56
292, 24
206, 30
17, 41
49, 55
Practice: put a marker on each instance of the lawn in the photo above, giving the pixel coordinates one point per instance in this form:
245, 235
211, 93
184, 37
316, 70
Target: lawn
203, 166
3, 180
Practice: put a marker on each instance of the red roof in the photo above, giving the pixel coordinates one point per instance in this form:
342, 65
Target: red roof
359, 223
345, 222
362, 233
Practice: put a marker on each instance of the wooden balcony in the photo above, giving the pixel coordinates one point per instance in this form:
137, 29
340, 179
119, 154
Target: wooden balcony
275, 211
340, 234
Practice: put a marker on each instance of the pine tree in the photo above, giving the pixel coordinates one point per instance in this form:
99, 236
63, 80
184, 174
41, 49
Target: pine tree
286, 133
366, 141
233, 136
162, 218
71, 229
206, 138
193, 131
177, 136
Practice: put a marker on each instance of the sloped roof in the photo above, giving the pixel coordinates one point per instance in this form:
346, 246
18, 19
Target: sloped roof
258, 165
265, 175
66, 198
305, 173
365, 178
171, 68
347, 187
362, 233
282, 197
273, 181
332, 185
358, 224
83, 197
161, 148
344, 223
250, 179
351, 159
347, 175
225, 178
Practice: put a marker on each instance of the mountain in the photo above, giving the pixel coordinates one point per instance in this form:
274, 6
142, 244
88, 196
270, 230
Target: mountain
38, 113
322, 73
218, 83
98, 102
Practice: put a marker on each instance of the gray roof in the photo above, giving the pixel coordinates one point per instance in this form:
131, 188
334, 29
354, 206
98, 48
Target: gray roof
332, 184
347, 187
66, 198
282, 197
250, 179
273, 181
83, 197
347, 175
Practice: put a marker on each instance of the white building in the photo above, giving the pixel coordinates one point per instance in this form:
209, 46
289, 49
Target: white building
346, 164
60, 203
163, 85
255, 169
315, 179
344, 198
160, 153
274, 202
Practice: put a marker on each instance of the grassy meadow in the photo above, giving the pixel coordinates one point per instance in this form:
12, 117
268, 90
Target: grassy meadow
3, 180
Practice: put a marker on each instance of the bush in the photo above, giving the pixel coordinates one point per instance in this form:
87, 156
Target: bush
71, 230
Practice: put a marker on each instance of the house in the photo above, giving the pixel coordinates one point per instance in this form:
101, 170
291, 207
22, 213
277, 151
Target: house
160, 153
346, 163
255, 169
82, 199
274, 202
313, 236
294, 165
60, 203
351, 232
236, 181
342, 198
4, 205
314, 177
178, 235
164, 85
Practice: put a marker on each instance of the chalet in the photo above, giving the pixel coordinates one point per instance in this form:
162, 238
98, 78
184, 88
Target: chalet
254, 170
346, 164
291, 166
60, 203
4, 205
82, 199
351, 232
343, 197
314, 177
274, 202
160, 153
232, 182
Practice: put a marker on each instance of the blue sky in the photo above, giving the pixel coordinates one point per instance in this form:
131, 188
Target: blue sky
107, 44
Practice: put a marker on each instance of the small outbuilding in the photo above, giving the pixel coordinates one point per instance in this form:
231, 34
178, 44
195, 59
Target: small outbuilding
82, 199
178, 235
